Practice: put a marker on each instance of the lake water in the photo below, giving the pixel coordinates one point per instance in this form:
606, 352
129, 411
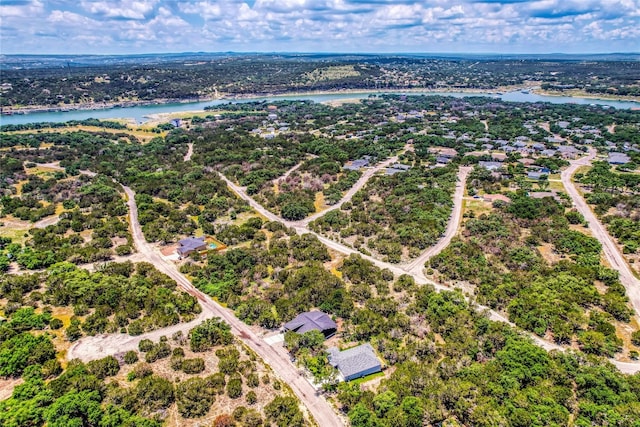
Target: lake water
141, 113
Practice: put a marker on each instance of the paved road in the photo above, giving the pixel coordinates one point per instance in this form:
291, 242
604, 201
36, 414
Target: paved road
609, 247
276, 357
417, 264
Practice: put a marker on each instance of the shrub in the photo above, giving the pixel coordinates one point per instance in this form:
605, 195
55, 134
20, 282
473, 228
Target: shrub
145, 345
234, 387
130, 357
193, 366
105, 367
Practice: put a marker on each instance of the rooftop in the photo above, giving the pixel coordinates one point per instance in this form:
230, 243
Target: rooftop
354, 360
312, 320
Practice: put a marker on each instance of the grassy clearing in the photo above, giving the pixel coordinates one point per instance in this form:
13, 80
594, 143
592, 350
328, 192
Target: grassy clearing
143, 133
368, 378
319, 202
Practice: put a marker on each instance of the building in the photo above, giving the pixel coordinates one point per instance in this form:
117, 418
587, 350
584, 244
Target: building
491, 166
191, 244
618, 158
496, 197
357, 164
442, 160
536, 175
397, 168
355, 362
310, 321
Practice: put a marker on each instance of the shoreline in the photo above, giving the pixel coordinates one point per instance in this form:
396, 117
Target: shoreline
8, 111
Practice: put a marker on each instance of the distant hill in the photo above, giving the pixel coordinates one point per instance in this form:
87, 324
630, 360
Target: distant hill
70, 61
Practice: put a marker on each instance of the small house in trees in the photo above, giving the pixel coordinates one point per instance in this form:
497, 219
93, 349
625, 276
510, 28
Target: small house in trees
191, 244
618, 158
312, 320
355, 362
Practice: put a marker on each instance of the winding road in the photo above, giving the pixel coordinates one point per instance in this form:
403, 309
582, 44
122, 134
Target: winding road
609, 247
415, 269
276, 356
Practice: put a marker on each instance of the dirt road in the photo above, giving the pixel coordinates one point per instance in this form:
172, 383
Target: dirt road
609, 247
99, 346
417, 264
187, 156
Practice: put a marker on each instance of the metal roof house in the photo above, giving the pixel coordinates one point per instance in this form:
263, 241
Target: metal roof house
618, 158
191, 244
312, 320
490, 165
357, 164
355, 362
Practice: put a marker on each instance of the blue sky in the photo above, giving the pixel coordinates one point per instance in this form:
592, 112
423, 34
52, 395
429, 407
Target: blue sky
146, 26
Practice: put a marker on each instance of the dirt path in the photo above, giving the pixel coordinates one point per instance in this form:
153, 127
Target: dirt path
187, 156
609, 247
417, 264
99, 346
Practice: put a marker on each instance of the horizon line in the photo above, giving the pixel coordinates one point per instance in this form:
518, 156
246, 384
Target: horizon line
326, 53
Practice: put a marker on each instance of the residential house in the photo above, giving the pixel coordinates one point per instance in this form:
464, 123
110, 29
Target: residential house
496, 197
616, 158
355, 362
536, 175
310, 321
491, 166
357, 164
397, 168
191, 244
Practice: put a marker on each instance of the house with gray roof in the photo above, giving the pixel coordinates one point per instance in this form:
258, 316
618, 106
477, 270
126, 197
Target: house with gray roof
355, 362
357, 164
492, 166
397, 168
312, 320
618, 158
536, 175
191, 244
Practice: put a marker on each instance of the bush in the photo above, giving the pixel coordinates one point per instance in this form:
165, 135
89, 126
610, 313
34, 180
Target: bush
145, 345
141, 370
55, 324
211, 332
635, 338
194, 398
102, 368
123, 250
193, 366
252, 397
130, 357
159, 351
234, 387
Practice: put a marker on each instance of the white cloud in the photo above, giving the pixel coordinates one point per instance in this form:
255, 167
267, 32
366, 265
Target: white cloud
335, 25
120, 9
